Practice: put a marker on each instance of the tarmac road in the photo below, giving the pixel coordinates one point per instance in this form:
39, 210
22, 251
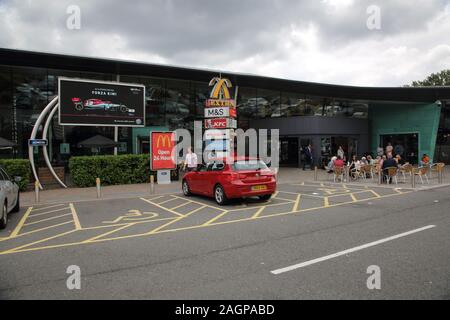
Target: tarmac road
310, 242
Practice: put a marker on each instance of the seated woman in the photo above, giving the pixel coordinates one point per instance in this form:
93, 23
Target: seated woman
338, 163
330, 165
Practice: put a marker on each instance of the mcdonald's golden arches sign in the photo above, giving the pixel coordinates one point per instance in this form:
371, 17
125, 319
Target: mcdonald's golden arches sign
162, 155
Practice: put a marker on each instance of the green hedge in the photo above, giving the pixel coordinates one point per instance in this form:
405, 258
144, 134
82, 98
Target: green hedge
120, 169
18, 167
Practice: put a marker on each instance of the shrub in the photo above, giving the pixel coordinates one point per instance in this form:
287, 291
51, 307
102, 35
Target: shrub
18, 167
120, 169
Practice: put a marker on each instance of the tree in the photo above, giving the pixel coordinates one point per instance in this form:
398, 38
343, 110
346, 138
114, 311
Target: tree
435, 79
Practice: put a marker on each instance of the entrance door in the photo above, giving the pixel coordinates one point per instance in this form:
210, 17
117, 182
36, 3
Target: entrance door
406, 145
289, 152
144, 146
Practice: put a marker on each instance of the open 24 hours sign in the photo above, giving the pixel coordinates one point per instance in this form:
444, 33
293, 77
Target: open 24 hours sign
162, 152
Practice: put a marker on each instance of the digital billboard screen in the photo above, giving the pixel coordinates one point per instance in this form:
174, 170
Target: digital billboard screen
100, 103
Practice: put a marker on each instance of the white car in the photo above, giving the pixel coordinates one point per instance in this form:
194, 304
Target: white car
9, 197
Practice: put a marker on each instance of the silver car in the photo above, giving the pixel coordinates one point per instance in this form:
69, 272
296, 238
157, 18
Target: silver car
9, 197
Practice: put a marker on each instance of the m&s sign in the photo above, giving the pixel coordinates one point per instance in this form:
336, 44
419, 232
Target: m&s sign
162, 153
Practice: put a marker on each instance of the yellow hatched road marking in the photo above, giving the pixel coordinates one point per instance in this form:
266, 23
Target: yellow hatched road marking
165, 201
158, 230
175, 220
76, 221
200, 203
257, 213
109, 232
45, 228
47, 212
215, 218
47, 219
21, 223
161, 207
36, 242
353, 197
326, 202
297, 203
49, 207
376, 194
179, 206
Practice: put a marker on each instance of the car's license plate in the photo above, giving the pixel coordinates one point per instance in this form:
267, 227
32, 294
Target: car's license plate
259, 188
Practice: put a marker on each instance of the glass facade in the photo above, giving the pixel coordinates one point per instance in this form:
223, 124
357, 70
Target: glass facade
170, 103
442, 151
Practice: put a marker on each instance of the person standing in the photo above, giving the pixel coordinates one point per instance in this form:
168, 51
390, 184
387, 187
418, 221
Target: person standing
308, 157
341, 153
389, 149
191, 160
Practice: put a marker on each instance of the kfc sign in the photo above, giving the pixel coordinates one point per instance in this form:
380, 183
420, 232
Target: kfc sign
220, 123
162, 155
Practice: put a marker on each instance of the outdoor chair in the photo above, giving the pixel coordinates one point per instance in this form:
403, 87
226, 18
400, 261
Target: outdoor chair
366, 170
338, 173
406, 169
437, 167
422, 172
391, 174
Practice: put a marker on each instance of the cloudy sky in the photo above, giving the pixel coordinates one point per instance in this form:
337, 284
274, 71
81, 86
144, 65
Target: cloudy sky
319, 40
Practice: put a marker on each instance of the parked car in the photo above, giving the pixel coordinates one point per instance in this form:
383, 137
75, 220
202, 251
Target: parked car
244, 177
9, 197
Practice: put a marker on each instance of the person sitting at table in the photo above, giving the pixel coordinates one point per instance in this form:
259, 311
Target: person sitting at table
399, 160
425, 160
354, 167
338, 163
330, 165
364, 161
370, 160
388, 163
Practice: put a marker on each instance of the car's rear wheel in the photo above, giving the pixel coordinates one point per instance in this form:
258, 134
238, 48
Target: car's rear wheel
79, 107
123, 109
186, 190
17, 206
219, 195
4, 219
265, 197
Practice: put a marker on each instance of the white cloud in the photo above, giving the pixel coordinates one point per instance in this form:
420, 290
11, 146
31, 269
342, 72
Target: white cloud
324, 41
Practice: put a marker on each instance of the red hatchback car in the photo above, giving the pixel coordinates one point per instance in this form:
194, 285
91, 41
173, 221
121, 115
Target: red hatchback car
243, 177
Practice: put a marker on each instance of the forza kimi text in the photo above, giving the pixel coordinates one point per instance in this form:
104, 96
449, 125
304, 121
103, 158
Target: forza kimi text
238, 309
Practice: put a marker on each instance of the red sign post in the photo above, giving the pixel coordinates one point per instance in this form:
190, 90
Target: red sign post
162, 151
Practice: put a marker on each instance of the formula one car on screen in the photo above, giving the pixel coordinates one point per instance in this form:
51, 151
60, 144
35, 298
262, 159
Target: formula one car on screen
98, 104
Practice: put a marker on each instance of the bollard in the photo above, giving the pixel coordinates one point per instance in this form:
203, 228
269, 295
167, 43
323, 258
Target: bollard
413, 179
315, 173
99, 191
36, 191
152, 184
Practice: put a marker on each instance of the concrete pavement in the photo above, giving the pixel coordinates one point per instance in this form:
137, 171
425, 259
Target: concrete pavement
235, 260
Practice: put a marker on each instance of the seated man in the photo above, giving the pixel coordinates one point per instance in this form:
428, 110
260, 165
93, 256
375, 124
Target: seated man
388, 163
425, 160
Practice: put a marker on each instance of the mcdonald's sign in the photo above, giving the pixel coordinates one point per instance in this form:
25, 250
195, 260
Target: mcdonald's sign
162, 153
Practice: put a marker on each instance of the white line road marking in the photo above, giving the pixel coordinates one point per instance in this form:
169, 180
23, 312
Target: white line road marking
341, 253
